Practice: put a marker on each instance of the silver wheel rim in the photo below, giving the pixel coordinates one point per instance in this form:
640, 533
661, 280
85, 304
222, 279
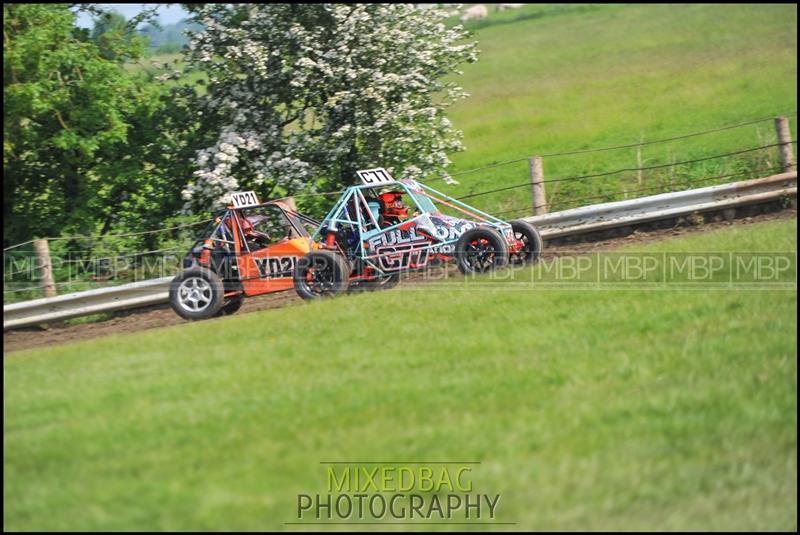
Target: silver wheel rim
194, 294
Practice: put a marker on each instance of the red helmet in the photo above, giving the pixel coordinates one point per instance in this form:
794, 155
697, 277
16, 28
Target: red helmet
247, 226
393, 206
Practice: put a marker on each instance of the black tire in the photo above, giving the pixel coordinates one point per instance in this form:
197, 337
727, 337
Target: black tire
386, 282
321, 274
532, 243
481, 249
196, 293
231, 307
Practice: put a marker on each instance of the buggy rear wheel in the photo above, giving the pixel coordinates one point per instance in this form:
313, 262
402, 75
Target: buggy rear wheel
231, 307
532, 243
386, 282
196, 293
481, 249
321, 274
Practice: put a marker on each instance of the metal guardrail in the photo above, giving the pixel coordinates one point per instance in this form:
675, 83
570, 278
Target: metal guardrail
664, 206
133, 295
568, 222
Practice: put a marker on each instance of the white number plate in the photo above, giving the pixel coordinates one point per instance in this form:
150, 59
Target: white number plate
371, 177
244, 199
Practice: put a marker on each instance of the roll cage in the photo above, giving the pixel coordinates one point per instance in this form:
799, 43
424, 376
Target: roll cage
219, 229
353, 211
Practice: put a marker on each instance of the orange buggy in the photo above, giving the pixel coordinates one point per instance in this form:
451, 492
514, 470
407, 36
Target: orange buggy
249, 249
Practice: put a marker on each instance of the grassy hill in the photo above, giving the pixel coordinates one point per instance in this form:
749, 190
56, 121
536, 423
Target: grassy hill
562, 78
588, 407
554, 78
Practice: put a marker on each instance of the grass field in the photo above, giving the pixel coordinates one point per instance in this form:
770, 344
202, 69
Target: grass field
587, 408
575, 77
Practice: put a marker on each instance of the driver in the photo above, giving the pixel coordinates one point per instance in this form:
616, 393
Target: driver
256, 239
393, 209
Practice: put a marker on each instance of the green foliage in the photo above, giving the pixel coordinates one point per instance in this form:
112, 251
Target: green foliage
588, 409
309, 93
169, 38
89, 147
66, 109
114, 39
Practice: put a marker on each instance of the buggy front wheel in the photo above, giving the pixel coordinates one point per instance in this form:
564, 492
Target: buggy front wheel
481, 249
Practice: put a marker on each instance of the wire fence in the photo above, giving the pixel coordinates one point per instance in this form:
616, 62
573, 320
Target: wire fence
675, 186
623, 170
106, 236
618, 147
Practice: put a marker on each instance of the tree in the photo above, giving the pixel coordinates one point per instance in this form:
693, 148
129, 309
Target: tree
169, 38
306, 94
62, 104
115, 38
87, 146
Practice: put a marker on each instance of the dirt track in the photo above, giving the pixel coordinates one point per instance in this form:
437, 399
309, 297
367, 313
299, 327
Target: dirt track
147, 318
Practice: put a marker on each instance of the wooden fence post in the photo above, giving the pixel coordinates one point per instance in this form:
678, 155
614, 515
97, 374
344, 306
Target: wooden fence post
785, 140
45, 267
537, 185
639, 160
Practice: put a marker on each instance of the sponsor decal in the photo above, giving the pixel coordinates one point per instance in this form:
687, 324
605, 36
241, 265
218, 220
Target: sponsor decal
400, 249
403, 256
450, 229
396, 237
276, 267
403, 249
448, 249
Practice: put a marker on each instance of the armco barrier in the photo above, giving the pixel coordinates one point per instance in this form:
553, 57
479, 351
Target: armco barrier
664, 206
133, 295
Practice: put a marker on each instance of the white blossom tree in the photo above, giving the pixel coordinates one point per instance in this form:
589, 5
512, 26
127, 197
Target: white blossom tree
306, 94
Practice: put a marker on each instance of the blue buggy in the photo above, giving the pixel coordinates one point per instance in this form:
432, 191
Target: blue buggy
384, 227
